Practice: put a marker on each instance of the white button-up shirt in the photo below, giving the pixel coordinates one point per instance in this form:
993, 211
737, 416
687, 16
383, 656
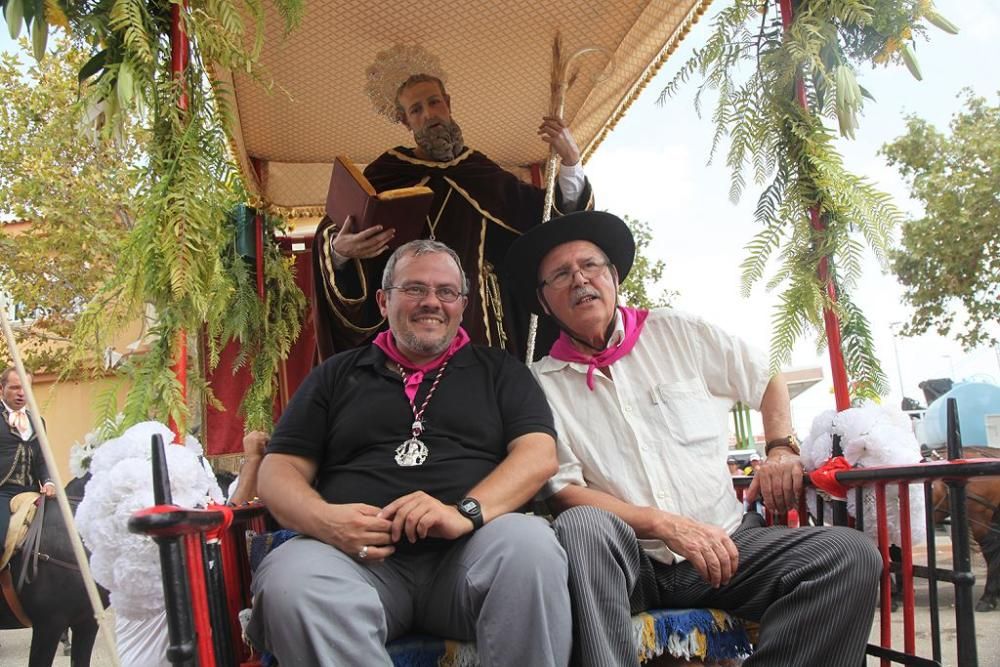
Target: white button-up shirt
656, 434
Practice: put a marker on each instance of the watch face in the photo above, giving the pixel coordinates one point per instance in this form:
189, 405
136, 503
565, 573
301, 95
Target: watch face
469, 506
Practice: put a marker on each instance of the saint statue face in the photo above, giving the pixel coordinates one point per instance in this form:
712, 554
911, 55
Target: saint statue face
424, 104
427, 113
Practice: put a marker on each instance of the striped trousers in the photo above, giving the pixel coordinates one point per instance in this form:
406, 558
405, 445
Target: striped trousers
813, 590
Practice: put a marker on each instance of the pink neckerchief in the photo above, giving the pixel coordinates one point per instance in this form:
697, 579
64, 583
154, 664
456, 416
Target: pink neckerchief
387, 344
632, 321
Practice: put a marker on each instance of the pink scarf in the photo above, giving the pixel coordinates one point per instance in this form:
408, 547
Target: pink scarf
387, 344
564, 350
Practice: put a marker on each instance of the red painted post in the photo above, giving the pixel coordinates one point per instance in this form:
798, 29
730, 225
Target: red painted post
199, 600
178, 63
837, 367
885, 607
906, 546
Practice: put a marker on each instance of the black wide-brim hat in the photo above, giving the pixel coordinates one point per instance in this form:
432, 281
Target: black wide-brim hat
605, 230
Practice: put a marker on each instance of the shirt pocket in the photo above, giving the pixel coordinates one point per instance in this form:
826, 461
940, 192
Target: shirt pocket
687, 410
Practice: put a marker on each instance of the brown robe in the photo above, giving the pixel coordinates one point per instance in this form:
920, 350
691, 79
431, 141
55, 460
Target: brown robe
478, 211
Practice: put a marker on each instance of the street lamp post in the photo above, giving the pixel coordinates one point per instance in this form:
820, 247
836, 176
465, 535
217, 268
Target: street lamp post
893, 329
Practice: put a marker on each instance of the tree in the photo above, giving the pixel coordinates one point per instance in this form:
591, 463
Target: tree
949, 259
779, 86
76, 194
77, 272
645, 273
171, 261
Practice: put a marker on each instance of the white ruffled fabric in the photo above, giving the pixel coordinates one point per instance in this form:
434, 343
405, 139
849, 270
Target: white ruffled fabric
870, 435
128, 565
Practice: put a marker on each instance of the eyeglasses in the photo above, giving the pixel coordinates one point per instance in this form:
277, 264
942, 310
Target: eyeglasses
418, 292
591, 268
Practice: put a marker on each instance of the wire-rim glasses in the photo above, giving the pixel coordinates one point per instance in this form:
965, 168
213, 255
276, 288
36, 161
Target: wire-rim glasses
591, 268
418, 292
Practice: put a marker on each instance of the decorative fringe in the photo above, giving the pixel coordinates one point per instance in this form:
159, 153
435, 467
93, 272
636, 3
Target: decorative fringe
417, 651
459, 654
672, 43
707, 634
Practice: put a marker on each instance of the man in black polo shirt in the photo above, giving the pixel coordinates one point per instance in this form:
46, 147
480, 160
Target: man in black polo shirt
403, 464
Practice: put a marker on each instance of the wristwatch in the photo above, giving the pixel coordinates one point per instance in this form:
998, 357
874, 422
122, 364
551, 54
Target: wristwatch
471, 510
789, 441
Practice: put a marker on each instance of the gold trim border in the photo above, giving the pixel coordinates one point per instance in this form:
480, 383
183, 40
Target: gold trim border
651, 71
253, 184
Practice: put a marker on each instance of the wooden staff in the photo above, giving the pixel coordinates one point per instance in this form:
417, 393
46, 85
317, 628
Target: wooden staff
560, 82
50, 462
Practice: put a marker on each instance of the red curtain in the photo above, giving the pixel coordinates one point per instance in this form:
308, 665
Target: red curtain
224, 429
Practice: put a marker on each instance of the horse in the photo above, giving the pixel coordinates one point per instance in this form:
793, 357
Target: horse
55, 598
982, 506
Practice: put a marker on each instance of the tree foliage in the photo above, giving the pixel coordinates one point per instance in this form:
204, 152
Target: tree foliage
646, 272
171, 262
775, 88
76, 192
949, 259
265, 328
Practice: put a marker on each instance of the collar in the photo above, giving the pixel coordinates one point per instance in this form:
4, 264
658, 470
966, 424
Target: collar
374, 357
8, 409
618, 334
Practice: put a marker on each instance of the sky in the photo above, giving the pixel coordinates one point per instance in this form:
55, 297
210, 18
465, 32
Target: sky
653, 167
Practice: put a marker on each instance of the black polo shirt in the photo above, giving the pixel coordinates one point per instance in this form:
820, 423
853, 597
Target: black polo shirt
350, 414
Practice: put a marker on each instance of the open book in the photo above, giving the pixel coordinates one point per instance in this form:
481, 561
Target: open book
403, 209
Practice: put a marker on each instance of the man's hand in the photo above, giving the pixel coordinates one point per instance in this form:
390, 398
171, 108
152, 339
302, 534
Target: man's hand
709, 548
363, 245
254, 444
779, 480
418, 515
49, 489
353, 527
555, 133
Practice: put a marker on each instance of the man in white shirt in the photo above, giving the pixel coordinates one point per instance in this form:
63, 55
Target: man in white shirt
647, 512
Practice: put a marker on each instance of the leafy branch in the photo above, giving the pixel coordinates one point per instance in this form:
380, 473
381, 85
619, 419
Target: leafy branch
761, 73
172, 259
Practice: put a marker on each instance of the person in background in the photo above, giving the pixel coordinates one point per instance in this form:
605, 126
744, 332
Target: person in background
243, 489
734, 467
22, 465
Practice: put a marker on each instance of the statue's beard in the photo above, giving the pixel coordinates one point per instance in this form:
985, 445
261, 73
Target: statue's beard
441, 141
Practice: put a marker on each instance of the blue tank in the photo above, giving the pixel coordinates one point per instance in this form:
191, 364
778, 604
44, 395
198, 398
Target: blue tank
975, 401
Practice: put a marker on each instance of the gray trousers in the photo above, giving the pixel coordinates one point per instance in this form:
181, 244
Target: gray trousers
813, 590
503, 587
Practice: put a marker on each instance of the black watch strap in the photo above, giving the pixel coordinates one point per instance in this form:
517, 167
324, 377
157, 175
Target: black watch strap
471, 510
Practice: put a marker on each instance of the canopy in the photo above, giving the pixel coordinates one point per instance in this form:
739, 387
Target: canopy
498, 60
